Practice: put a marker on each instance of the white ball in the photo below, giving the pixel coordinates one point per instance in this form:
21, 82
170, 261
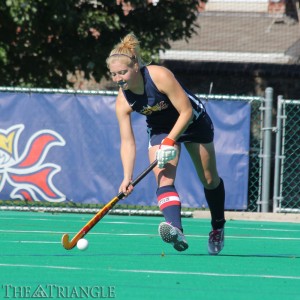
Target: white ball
82, 244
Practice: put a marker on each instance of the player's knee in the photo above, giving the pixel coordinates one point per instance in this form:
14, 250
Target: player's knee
210, 182
166, 176
164, 181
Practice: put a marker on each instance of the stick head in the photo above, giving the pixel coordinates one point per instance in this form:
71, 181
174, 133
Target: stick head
71, 244
66, 243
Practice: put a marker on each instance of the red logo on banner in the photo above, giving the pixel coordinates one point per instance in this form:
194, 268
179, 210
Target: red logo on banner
28, 173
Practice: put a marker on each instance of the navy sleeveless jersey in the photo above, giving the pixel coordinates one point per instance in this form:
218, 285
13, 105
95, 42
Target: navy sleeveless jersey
160, 113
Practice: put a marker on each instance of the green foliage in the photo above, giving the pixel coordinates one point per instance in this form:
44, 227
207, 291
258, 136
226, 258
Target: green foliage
41, 41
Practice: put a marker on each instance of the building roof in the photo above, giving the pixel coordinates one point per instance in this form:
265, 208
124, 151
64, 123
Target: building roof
240, 37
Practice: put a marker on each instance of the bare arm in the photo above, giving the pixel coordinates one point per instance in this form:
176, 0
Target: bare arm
128, 147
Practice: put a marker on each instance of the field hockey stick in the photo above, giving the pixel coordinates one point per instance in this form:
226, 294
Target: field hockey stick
102, 212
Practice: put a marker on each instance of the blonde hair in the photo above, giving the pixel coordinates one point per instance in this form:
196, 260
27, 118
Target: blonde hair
128, 48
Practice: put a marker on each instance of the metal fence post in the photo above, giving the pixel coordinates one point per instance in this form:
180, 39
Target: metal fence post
266, 156
278, 157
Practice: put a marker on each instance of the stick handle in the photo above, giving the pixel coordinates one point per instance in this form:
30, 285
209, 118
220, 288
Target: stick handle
140, 177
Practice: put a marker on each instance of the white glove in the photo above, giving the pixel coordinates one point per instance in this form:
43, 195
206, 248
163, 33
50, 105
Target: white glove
166, 152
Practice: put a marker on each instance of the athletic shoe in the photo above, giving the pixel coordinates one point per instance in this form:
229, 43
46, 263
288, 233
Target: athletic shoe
216, 241
173, 236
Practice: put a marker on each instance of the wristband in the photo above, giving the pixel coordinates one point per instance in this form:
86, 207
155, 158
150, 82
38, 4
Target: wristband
168, 142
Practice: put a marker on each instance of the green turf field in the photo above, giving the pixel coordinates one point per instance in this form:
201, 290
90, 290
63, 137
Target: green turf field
126, 259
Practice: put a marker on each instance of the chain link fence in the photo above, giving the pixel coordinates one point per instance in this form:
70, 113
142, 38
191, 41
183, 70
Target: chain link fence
287, 157
255, 159
256, 137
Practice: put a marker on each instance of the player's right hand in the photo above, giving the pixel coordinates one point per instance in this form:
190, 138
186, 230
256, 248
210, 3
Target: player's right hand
126, 188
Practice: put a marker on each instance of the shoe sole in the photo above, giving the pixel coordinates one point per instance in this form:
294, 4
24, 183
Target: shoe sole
216, 251
169, 235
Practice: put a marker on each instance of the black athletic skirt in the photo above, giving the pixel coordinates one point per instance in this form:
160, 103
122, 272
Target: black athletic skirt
200, 131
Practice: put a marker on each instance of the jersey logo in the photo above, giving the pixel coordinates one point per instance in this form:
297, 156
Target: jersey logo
28, 176
148, 110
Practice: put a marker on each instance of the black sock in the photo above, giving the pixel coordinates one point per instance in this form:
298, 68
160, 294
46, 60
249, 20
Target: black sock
216, 202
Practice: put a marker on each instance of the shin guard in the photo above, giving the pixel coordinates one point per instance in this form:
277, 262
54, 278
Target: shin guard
170, 205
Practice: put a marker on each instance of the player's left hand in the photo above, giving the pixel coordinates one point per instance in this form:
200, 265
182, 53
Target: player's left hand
166, 152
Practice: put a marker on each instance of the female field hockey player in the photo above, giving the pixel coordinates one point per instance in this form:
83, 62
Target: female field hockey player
175, 117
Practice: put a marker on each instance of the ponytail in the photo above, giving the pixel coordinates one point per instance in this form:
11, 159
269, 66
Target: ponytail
128, 48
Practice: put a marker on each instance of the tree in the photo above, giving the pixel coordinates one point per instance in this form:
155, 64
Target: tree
41, 41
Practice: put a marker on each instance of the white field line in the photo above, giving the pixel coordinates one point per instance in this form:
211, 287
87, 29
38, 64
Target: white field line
40, 266
149, 224
209, 274
32, 242
147, 234
80, 221
31, 219
263, 229
60, 232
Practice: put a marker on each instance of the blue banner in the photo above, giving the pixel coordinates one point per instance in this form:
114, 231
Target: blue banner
62, 147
